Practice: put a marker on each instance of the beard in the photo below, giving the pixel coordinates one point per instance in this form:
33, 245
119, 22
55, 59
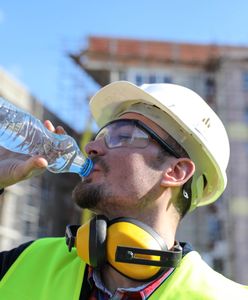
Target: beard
89, 195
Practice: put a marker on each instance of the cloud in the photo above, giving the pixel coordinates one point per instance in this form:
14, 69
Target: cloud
2, 16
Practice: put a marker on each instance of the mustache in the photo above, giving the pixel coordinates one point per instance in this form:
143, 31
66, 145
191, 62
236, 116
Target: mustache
101, 162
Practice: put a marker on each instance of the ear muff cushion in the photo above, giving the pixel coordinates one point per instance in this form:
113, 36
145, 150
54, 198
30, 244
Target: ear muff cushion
91, 241
98, 234
132, 233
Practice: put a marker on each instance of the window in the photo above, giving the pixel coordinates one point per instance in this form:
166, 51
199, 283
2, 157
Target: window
139, 79
246, 116
245, 81
152, 78
210, 91
167, 79
210, 87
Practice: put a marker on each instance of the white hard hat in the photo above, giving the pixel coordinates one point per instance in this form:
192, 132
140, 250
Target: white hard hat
186, 117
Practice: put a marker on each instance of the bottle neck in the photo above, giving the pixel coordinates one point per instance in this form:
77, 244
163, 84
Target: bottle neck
81, 165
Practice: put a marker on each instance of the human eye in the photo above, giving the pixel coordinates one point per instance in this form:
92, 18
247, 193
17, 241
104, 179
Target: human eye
122, 139
124, 136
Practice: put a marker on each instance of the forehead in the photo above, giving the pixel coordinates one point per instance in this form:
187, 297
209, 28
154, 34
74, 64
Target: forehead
135, 116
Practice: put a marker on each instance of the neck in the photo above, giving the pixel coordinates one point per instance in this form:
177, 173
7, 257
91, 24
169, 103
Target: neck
161, 218
164, 221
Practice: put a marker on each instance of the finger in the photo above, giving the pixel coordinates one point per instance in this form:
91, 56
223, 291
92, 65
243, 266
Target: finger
48, 124
60, 130
39, 162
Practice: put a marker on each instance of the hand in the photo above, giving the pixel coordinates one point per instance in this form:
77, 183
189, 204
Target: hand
15, 167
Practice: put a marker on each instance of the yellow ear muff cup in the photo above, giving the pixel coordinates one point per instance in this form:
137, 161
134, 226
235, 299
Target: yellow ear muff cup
132, 233
91, 241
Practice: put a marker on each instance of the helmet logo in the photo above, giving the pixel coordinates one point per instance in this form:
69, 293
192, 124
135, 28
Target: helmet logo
203, 127
206, 121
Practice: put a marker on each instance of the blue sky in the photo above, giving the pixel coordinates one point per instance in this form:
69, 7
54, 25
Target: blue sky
36, 37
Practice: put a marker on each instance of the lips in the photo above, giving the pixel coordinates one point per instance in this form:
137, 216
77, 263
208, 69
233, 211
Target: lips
99, 165
95, 169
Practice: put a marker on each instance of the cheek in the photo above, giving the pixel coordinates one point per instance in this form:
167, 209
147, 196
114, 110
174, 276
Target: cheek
124, 168
134, 173
125, 172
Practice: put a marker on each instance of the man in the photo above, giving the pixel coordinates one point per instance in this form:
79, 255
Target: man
155, 158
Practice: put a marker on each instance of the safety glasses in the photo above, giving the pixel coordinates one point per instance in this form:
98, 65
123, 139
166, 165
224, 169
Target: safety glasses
131, 133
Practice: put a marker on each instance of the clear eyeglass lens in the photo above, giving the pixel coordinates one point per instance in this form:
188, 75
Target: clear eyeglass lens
122, 134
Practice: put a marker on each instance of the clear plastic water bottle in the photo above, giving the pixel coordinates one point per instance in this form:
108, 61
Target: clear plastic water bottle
23, 133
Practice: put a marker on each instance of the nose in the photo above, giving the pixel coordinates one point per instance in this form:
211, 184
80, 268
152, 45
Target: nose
95, 148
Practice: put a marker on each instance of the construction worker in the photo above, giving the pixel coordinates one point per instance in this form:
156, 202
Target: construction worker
155, 159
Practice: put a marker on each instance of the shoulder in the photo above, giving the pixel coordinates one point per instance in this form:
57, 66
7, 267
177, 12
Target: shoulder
200, 277
193, 279
43, 246
48, 248
7, 258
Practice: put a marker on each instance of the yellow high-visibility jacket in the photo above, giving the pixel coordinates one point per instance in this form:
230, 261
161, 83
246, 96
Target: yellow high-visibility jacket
45, 270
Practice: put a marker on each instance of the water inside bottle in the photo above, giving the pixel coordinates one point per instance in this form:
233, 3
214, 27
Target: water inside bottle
64, 155
23, 133
70, 160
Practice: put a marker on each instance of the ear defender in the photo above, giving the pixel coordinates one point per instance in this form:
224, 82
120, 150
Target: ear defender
131, 247
91, 241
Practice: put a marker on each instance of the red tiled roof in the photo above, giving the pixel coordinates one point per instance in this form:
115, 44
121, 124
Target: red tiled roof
103, 47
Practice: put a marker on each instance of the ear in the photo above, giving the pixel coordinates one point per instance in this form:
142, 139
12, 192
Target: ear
178, 172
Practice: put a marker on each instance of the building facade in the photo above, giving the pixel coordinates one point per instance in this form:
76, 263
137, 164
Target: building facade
220, 75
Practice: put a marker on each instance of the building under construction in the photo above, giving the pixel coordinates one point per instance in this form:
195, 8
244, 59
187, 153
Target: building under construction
220, 75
